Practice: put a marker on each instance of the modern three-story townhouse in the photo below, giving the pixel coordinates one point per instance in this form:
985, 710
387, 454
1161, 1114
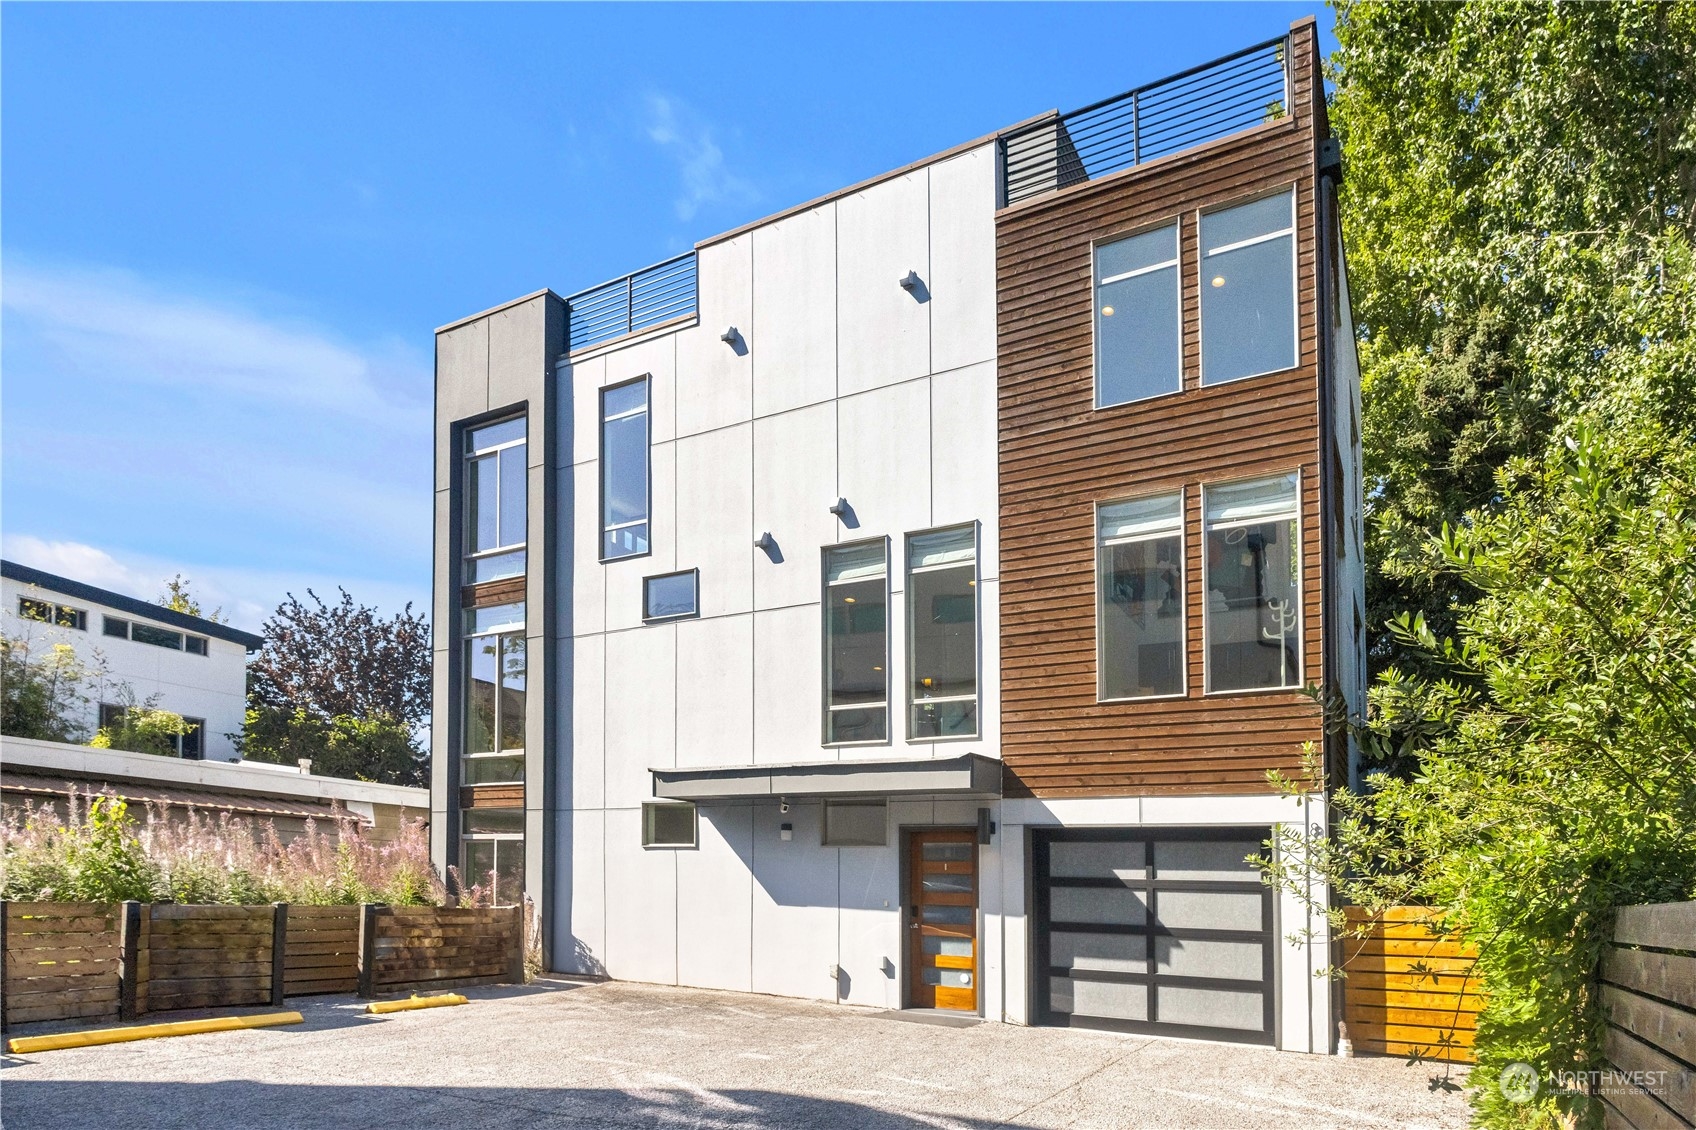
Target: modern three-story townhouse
900, 600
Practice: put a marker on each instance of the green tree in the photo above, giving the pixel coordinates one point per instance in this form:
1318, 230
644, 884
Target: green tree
41, 695
142, 728
178, 598
1507, 165
376, 749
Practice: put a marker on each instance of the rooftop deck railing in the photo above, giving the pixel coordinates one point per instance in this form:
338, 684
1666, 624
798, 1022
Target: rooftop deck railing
638, 301
1199, 105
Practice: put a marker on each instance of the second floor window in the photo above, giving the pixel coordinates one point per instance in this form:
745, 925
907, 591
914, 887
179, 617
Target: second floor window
1253, 580
496, 496
1140, 614
494, 696
942, 634
49, 613
1137, 324
624, 470
1248, 289
856, 643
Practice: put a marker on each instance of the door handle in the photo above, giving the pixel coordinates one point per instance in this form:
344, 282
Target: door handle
913, 913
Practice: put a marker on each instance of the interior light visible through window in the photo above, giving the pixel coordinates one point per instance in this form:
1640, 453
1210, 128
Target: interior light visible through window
847, 600
1107, 311
1218, 280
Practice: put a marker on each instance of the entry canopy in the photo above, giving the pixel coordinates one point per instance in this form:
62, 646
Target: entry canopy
968, 775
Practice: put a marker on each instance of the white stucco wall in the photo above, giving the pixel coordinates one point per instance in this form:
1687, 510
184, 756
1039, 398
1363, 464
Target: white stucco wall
211, 686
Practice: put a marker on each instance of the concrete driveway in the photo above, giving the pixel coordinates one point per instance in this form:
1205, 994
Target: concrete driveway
557, 1054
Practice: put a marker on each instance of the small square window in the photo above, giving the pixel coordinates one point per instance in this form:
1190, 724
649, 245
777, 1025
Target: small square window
195, 645
672, 596
856, 823
668, 825
116, 627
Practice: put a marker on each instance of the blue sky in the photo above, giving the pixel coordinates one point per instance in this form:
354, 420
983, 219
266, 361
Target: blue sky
227, 231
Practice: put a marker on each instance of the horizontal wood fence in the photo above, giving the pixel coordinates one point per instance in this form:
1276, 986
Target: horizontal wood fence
1648, 990
119, 961
1406, 989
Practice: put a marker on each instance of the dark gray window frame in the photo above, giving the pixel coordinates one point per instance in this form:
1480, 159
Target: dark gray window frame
692, 614
648, 840
467, 457
824, 644
908, 703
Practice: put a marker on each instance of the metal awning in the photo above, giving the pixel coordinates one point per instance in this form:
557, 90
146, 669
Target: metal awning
967, 775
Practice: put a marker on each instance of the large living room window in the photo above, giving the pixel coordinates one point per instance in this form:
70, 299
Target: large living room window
624, 470
495, 494
1253, 579
942, 634
494, 698
1248, 289
856, 643
1137, 323
1140, 597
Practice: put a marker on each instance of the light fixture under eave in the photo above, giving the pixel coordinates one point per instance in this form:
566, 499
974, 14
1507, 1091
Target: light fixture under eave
1218, 280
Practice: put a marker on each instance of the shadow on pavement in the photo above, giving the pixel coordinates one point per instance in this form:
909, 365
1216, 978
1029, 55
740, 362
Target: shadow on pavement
237, 1103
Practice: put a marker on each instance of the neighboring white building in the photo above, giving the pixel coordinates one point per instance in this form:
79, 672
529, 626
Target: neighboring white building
187, 664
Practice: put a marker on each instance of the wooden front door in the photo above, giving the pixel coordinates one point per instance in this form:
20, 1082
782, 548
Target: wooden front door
942, 927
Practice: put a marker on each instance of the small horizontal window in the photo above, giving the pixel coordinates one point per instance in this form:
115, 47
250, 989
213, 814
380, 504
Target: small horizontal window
856, 823
112, 626
49, 613
494, 618
668, 825
158, 637
195, 645
494, 821
671, 596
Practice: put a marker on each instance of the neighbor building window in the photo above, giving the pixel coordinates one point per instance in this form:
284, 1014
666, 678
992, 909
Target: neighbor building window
1248, 289
491, 853
1140, 597
624, 470
856, 643
494, 698
192, 744
1137, 323
496, 496
1253, 580
942, 633
671, 596
112, 626
856, 823
158, 637
195, 645
49, 613
669, 825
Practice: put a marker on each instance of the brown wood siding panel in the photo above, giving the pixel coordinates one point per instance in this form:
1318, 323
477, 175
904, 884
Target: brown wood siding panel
1059, 456
491, 796
488, 593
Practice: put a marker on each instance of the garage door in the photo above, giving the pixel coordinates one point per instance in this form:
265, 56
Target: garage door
1153, 931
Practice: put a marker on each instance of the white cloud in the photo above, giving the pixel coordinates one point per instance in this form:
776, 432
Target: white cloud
175, 430
677, 129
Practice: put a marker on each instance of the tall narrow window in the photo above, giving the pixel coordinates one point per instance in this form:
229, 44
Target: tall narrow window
942, 633
495, 497
491, 853
1137, 325
1248, 289
624, 470
494, 695
1253, 583
856, 643
1140, 615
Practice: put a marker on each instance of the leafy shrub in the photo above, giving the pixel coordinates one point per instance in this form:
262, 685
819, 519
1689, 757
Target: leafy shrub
100, 854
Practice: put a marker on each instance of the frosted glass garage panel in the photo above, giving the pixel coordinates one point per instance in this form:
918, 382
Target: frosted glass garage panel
1111, 953
1196, 957
1097, 860
1109, 1000
1224, 861
1211, 1008
1108, 905
1210, 910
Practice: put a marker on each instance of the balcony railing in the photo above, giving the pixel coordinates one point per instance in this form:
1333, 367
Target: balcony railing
1199, 105
638, 301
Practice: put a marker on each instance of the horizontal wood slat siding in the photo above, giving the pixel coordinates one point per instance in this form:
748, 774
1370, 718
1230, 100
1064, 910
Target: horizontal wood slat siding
1059, 456
208, 956
439, 947
321, 954
1648, 995
61, 962
1406, 989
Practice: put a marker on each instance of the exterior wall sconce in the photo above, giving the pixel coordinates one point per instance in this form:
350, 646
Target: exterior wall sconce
765, 541
986, 826
911, 282
840, 507
731, 336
